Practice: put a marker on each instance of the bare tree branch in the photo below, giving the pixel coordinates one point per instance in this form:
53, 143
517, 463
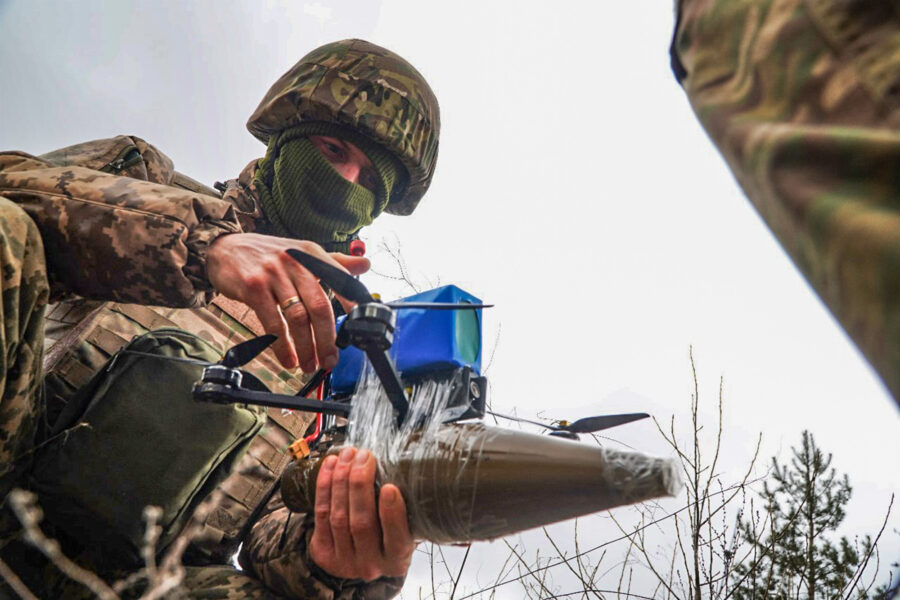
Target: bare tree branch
24, 506
459, 572
10, 577
864, 563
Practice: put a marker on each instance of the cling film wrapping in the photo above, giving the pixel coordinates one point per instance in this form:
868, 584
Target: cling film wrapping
470, 482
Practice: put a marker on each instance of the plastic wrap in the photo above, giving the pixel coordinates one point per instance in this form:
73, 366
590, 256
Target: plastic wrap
468, 482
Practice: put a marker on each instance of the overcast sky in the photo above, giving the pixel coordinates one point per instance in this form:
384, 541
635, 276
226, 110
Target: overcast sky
574, 189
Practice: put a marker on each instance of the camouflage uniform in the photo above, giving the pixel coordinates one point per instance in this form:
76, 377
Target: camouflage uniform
59, 212
142, 238
802, 97
25, 293
267, 551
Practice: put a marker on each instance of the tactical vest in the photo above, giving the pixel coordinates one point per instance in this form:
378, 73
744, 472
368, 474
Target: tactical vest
83, 335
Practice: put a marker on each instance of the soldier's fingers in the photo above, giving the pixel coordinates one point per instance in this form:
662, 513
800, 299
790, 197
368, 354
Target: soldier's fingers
294, 314
320, 315
266, 308
322, 510
397, 539
301, 336
355, 265
340, 506
298, 327
364, 525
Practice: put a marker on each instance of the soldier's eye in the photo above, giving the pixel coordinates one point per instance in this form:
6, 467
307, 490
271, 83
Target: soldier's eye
334, 150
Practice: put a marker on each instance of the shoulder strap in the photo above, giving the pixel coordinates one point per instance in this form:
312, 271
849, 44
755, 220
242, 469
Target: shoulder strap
188, 183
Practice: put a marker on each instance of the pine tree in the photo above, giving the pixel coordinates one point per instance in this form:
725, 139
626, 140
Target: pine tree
792, 557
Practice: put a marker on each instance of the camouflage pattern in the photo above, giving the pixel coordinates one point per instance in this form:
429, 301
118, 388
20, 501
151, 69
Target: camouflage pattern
90, 333
215, 582
122, 155
369, 89
242, 194
286, 568
82, 335
802, 97
111, 237
23, 281
221, 582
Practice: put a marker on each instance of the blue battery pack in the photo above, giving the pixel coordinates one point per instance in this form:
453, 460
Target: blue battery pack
425, 340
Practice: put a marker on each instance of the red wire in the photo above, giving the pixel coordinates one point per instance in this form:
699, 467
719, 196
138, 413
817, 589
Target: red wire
320, 391
357, 248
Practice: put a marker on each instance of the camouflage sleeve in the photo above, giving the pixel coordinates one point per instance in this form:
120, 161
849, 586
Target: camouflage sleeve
276, 551
126, 155
802, 98
117, 238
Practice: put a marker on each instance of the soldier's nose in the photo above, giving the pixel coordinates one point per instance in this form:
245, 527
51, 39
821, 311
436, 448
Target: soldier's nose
349, 171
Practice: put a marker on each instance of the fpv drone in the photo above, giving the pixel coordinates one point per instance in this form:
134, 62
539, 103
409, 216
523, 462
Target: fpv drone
372, 328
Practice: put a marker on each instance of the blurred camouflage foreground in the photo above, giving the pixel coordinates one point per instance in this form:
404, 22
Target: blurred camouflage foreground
802, 98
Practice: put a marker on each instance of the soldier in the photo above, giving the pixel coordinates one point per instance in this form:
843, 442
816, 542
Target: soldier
802, 97
111, 233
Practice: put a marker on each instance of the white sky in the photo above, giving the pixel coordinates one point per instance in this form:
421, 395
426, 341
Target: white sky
575, 190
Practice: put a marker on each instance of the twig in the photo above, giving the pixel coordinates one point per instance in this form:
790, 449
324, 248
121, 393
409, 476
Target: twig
23, 504
170, 573
431, 565
585, 584
444, 561
862, 565
493, 350
532, 572
459, 573
152, 531
10, 577
397, 255
601, 591
638, 535
603, 545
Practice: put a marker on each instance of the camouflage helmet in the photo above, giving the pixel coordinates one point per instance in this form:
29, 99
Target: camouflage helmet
369, 89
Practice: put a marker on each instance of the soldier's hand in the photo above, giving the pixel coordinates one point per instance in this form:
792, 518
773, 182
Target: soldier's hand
352, 538
256, 270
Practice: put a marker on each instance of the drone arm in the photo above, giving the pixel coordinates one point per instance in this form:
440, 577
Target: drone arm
226, 394
314, 382
387, 374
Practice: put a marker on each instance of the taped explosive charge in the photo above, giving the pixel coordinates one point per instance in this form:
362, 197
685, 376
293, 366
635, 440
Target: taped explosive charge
473, 482
465, 482
461, 481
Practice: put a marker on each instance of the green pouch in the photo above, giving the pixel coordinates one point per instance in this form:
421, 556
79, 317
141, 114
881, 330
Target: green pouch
133, 437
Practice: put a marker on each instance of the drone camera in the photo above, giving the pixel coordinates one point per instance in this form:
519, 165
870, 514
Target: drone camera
467, 392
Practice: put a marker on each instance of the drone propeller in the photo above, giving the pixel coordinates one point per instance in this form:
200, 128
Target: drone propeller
343, 284
238, 356
235, 357
352, 289
592, 424
437, 305
586, 425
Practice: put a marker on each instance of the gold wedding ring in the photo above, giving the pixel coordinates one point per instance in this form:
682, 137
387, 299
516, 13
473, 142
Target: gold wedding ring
290, 302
